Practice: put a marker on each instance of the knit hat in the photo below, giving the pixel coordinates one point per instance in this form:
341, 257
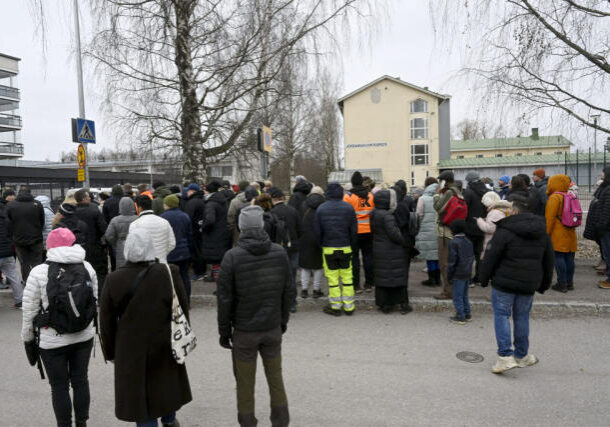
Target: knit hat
213, 186
540, 173
490, 198
67, 209
251, 217
171, 201
357, 179
446, 176
250, 193
275, 193
472, 176
317, 190
505, 179
193, 186
60, 237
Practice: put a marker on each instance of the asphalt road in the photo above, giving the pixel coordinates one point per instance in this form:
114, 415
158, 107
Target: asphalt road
366, 370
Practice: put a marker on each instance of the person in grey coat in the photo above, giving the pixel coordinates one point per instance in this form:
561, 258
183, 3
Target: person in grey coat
426, 241
48, 216
117, 231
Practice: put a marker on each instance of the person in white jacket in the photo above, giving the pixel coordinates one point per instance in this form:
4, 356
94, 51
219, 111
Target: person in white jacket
496, 210
65, 356
159, 228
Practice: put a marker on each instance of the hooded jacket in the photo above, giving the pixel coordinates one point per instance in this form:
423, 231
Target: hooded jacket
488, 224
157, 203
310, 251
460, 258
299, 194
598, 218
254, 287
158, 228
215, 236
181, 224
390, 261
118, 229
563, 238
473, 195
541, 187
335, 222
48, 216
35, 294
363, 203
426, 241
27, 220
519, 259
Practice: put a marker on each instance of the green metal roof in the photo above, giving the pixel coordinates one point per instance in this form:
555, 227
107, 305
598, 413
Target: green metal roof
513, 143
545, 159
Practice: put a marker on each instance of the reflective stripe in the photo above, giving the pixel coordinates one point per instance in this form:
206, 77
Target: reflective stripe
364, 221
348, 307
364, 212
335, 299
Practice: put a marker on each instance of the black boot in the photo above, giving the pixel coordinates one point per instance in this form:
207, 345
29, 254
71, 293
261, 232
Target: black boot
431, 279
405, 308
560, 287
570, 286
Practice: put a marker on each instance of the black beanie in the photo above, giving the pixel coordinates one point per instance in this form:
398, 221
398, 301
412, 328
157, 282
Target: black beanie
357, 179
213, 186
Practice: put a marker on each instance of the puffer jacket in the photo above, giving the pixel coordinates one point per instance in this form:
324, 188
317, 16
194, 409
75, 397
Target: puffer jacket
27, 220
162, 234
216, 239
117, 230
48, 216
426, 241
488, 224
35, 293
390, 261
181, 224
564, 239
519, 259
473, 195
157, 203
335, 222
6, 242
310, 252
254, 286
460, 258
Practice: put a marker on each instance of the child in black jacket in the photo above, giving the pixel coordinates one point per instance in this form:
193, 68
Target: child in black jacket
459, 270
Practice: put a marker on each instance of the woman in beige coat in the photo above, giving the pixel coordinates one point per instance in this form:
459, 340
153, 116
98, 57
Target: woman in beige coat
496, 210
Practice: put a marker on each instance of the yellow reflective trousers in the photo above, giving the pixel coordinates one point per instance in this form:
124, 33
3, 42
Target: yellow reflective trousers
338, 265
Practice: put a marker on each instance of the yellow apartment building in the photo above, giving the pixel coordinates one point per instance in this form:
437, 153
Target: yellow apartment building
397, 129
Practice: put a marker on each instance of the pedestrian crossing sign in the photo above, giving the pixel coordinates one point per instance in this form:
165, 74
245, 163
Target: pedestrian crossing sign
83, 131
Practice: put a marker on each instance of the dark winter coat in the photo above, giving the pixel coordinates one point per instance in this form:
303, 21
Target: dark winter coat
460, 258
519, 259
503, 192
148, 381
598, 218
157, 203
181, 224
6, 240
299, 194
335, 222
402, 214
541, 187
292, 219
229, 194
216, 239
194, 207
473, 195
77, 226
111, 208
310, 251
254, 286
96, 228
390, 261
27, 220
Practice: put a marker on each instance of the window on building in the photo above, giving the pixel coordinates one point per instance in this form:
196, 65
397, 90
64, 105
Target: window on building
427, 174
227, 171
460, 157
479, 156
419, 128
538, 153
419, 154
559, 153
419, 106
499, 155
412, 178
519, 154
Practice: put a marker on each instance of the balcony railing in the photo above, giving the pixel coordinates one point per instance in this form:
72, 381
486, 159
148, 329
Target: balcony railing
11, 148
9, 120
9, 92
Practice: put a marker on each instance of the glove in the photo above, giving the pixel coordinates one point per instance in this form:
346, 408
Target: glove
484, 285
225, 342
284, 327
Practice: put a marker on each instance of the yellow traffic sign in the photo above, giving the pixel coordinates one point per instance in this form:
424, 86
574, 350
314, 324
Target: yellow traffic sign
267, 141
81, 175
81, 157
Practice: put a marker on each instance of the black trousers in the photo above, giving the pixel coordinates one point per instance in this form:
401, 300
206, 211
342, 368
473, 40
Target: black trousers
364, 244
183, 265
477, 245
29, 257
64, 366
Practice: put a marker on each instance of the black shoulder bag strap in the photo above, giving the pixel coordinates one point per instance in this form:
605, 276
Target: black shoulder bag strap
127, 298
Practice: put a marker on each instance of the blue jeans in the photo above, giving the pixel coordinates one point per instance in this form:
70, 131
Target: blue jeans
460, 298
168, 419
564, 265
294, 266
432, 265
605, 244
519, 306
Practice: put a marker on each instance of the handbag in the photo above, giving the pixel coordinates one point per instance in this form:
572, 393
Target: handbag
183, 338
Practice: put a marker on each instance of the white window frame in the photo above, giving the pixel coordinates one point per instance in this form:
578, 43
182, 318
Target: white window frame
414, 129
414, 103
412, 178
425, 155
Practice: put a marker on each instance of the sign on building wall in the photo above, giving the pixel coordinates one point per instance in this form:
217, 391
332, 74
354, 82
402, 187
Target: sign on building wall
367, 145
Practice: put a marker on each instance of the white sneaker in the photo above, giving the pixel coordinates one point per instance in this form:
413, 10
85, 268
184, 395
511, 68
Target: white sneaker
528, 360
504, 363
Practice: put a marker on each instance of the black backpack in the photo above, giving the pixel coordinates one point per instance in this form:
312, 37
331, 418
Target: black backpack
72, 304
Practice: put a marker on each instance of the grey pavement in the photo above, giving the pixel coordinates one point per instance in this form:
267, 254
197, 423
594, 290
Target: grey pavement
366, 370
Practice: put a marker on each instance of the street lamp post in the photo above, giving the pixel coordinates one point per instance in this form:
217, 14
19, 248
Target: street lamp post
79, 78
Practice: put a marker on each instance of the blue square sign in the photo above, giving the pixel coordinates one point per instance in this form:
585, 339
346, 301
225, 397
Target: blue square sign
83, 131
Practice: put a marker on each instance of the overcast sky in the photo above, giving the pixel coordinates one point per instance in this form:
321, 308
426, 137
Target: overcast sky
403, 47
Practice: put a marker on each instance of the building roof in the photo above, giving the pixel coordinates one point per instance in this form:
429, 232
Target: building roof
14, 58
395, 80
345, 176
544, 159
510, 143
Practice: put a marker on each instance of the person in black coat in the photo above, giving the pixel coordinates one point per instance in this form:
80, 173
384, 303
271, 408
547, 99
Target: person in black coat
26, 221
96, 228
310, 251
194, 207
473, 195
8, 266
390, 261
299, 193
110, 210
519, 261
215, 236
70, 221
292, 221
597, 227
405, 207
254, 297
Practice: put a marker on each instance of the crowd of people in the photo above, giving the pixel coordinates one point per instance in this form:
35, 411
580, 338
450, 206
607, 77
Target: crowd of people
252, 241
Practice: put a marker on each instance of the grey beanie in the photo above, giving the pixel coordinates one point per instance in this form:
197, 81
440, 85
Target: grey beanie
251, 217
472, 176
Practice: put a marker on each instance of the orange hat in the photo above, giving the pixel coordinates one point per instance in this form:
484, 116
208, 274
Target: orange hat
540, 173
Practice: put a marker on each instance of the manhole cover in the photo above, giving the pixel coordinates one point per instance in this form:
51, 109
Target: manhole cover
470, 357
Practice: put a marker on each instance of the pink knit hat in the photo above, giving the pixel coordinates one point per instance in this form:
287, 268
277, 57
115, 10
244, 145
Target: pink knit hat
60, 237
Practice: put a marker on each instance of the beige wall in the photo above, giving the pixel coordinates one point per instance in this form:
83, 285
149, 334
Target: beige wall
385, 128
507, 152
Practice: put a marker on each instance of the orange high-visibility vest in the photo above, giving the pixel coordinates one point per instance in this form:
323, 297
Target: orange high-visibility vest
363, 208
